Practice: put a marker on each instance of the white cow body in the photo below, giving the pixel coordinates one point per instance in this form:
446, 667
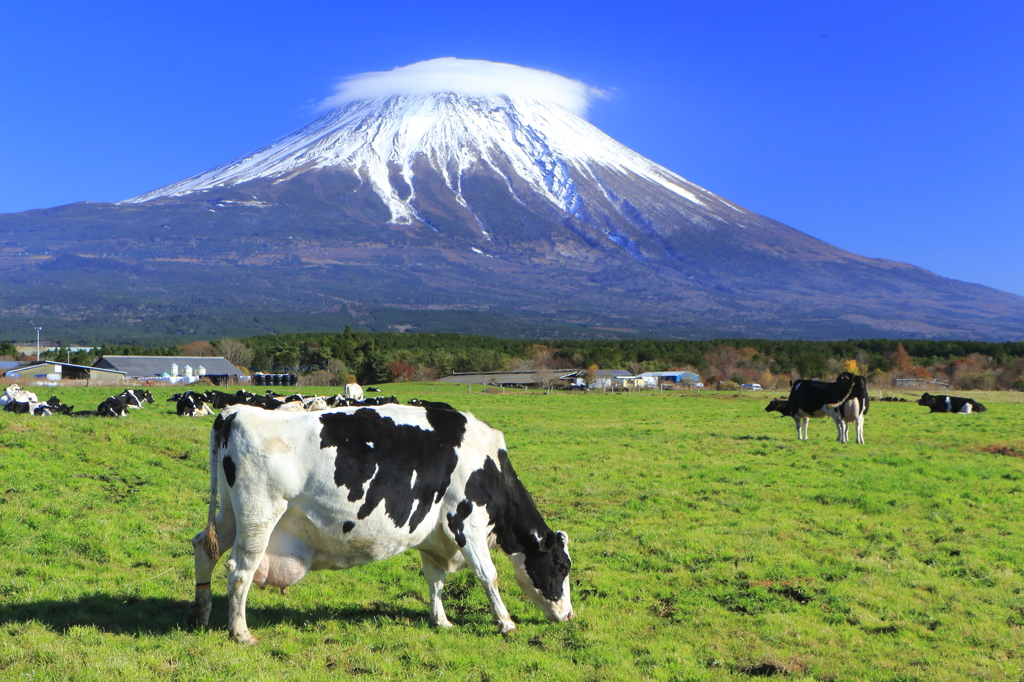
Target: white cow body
348, 486
353, 391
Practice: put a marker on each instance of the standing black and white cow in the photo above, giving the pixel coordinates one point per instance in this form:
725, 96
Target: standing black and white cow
853, 410
812, 399
326, 490
948, 403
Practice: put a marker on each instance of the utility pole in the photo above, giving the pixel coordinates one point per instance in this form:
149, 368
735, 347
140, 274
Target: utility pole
38, 329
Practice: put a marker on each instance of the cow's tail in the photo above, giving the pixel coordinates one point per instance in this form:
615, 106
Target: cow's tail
849, 392
210, 544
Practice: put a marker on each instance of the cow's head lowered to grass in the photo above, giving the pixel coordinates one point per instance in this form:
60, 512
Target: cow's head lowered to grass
348, 486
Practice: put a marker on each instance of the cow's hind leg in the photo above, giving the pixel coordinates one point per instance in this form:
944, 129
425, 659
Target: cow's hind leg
204, 563
435, 576
250, 545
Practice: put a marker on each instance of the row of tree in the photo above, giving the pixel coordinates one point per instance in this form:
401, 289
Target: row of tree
328, 358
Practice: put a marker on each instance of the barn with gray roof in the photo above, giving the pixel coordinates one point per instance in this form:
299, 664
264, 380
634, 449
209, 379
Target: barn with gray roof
173, 368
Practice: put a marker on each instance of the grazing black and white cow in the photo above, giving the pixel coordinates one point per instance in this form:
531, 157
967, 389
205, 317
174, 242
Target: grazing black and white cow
948, 403
135, 397
114, 406
812, 399
304, 491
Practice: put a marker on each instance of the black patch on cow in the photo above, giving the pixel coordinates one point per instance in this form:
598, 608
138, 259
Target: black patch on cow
518, 524
348, 526
431, 403
222, 427
397, 452
455, 522
229, 470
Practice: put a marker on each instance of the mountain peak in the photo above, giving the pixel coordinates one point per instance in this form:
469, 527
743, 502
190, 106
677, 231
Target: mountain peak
530, 142
424, 198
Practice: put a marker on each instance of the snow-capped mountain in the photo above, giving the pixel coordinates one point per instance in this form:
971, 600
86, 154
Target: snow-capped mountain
493, 208
529, 143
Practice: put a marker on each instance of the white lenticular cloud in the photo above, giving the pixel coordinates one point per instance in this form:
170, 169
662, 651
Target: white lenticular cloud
472, 77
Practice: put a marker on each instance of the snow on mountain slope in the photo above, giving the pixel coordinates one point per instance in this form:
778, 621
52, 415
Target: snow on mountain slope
545, 145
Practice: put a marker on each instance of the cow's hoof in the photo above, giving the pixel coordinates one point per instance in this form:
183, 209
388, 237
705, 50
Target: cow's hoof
245, 638
507, 630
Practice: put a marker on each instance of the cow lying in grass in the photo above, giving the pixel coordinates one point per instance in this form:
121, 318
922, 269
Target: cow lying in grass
948, 403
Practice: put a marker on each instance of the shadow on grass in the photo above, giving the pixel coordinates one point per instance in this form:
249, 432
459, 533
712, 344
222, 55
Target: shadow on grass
136, 617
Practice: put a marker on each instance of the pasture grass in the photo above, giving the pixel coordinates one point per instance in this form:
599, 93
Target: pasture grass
708, 544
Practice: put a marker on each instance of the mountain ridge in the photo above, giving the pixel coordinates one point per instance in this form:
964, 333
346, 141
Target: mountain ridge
509, 214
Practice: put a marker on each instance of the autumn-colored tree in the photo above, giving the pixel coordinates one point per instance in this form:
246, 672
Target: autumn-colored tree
746, 354
850, 366
901, 361
400, 371
197, 349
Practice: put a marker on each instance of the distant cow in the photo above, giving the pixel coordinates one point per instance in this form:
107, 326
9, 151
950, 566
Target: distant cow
192, 404
114, 406
18, 400
135, 397
353, 392
349, 486
853, 410
20, 407
51, 407
812, 399
948, 403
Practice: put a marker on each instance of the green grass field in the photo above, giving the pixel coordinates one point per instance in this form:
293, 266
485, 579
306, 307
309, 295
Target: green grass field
708, 544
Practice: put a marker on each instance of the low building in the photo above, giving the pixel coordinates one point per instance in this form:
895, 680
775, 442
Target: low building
675, 376
174, 369
603, 378
518, 379
51, 370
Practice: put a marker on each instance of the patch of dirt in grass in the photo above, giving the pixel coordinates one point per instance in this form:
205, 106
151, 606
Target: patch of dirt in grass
999, 449
784, 588
793, 666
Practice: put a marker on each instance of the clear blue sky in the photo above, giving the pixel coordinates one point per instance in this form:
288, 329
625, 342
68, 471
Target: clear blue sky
891, 129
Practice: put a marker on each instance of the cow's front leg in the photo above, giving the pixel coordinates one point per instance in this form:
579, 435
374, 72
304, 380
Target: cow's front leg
435, 576
478, 555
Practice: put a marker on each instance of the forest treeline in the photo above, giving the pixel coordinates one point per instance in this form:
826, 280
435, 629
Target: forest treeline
372, 357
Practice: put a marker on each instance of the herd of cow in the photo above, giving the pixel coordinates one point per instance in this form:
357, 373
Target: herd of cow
311, 483
195, 404
846, 401
18, 400
189, 404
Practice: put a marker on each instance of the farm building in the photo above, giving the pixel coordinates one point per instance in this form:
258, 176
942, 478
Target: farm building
540, 377
604, 378
675, 376
174, 369
51, 370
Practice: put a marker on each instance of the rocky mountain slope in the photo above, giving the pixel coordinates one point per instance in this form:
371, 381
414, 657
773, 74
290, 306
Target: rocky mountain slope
449, 212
